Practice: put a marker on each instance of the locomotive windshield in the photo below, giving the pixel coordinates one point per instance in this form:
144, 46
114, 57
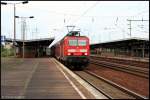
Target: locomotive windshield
73, 42
77, 42
82, 42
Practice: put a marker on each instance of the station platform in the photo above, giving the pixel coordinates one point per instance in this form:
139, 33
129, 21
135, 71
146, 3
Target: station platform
39, 78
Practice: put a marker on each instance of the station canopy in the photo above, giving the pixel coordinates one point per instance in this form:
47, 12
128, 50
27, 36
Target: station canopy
121, 43
43, 41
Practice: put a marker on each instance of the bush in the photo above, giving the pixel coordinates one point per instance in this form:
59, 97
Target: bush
6, 52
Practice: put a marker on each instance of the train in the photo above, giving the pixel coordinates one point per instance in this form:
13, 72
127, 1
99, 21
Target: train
73, 50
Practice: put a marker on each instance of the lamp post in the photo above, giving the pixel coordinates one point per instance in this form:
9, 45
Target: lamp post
23, 22
14, 4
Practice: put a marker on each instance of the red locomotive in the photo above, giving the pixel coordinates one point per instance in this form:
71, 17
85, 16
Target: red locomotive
73, 50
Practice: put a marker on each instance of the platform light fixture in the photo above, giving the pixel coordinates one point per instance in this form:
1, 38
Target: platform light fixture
14, 4
23, 19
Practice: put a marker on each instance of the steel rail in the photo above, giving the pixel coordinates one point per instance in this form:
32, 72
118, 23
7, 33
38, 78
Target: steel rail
134, 94
101, 91
124, 61
132, 70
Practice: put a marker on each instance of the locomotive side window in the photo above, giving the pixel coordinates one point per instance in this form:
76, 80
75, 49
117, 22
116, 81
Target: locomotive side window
73, 42
82, 42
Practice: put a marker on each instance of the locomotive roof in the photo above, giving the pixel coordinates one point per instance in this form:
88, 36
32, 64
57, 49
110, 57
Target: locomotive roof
61, 37
68, 37
75, 36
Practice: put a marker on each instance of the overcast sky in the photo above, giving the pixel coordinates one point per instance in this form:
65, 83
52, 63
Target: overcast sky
101, 21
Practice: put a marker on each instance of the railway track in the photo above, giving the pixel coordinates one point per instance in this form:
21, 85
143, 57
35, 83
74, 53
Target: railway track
123, 61
142, 72
108, 88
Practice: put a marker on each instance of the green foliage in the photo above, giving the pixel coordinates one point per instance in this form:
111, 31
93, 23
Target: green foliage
6, 52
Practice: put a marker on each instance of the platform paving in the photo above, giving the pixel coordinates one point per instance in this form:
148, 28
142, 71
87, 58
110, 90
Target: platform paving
34, 78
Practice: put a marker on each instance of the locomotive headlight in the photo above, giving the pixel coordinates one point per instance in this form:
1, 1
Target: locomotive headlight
69, 53
85, 53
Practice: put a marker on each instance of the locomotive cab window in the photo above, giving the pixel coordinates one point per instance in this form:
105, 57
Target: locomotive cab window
82, 42
73, 42
77, 43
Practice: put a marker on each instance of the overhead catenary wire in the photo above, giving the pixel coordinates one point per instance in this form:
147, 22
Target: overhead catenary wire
75, 21
94, 5
68, 14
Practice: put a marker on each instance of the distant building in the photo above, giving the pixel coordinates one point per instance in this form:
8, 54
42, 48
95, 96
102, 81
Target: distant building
32, 48
130, 47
